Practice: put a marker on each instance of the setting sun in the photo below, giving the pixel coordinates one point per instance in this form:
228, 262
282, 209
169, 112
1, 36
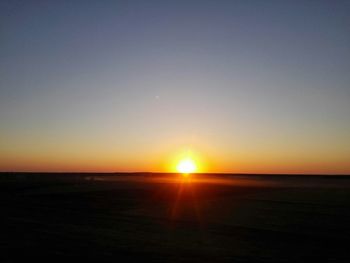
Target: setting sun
186, 166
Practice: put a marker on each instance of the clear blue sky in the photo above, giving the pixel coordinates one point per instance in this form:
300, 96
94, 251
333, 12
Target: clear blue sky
119, 85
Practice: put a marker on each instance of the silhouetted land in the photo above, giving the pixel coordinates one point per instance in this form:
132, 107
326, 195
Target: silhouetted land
159, 218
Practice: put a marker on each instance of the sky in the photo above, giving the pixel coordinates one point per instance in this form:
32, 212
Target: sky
244, 86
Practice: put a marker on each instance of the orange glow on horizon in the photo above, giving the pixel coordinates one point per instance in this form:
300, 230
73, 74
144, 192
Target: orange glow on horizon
207, 160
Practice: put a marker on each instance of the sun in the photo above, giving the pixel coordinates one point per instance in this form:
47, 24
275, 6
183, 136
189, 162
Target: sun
186, 166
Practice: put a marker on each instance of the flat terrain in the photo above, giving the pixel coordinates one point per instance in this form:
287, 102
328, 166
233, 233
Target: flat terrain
163, 218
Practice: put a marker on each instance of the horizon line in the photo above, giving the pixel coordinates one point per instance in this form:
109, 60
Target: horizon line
208, 173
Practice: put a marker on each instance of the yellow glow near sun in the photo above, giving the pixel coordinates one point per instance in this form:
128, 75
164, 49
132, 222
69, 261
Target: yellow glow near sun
186, 166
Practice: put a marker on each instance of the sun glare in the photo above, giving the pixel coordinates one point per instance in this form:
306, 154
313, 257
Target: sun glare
186, 166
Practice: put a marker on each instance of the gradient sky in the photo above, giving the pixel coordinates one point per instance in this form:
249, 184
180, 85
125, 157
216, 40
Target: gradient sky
246, 86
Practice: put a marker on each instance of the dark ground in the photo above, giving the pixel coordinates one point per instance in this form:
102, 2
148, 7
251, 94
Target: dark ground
91, 217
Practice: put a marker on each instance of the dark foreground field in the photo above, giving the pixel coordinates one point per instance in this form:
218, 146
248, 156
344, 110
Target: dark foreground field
159, 218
